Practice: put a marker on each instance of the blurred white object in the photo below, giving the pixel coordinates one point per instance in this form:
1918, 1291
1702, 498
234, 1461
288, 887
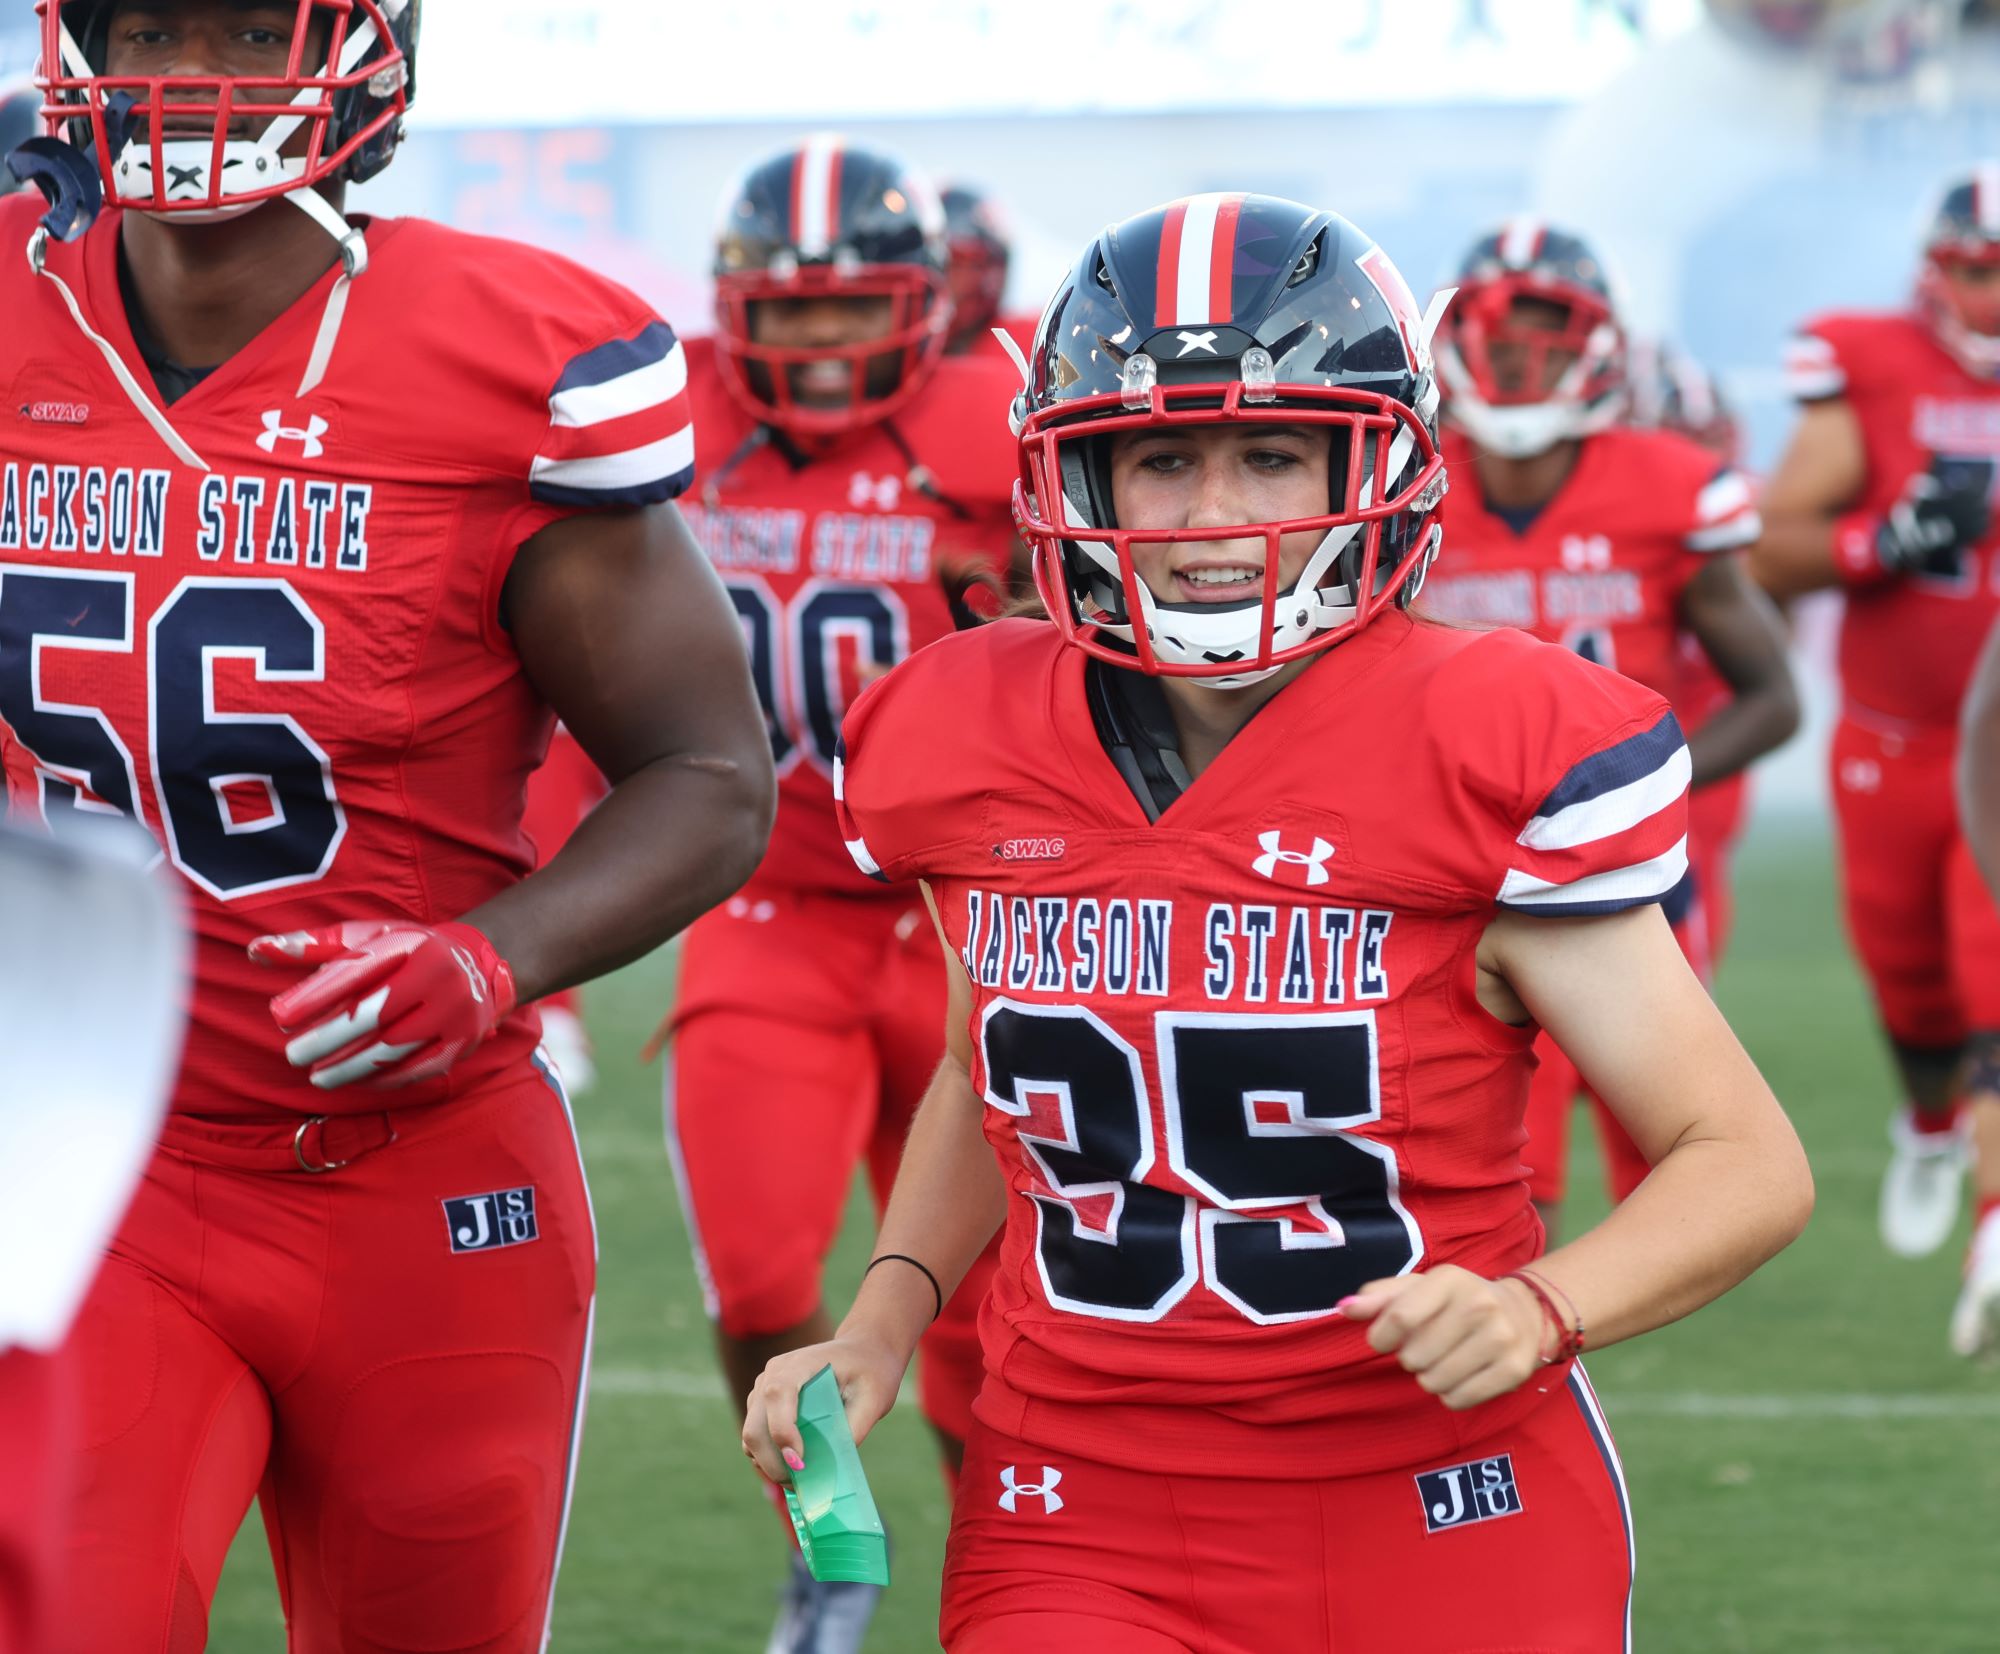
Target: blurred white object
1922, 1187
1975, 1322
567, 1042
93, 975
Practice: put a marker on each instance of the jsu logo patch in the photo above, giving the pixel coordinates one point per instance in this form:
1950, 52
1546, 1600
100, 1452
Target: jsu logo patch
1013, 1490
485, 1223
1462, 1494
1311, 864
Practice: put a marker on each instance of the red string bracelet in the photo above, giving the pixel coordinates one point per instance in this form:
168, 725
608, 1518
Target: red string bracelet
1569, 1329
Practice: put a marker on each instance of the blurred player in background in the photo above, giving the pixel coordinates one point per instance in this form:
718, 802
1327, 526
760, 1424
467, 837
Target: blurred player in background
855, 485
1247, 1016
93, 977
1610, 541
1671, 391
980, 252
1886, 491
369, 501
1975, 1321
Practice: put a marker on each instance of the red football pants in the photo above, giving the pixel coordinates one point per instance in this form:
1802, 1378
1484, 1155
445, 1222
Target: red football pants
37, 1449
1520, 1542
389, 1361
807, 1032
1715, 822
1919, 916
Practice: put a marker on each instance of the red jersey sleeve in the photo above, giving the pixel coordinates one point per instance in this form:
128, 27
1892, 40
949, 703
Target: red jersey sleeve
1583, 776
1725, 516
619, 432
903, 789
1827, 355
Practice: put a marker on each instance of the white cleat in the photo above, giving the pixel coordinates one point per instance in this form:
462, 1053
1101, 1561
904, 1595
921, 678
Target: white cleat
1922, 1188
568, 1045
1975, 1321
821, 1618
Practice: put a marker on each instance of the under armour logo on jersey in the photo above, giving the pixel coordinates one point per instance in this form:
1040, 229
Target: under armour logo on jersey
1276, 855
1191, 342
277, 431
1462, 1494
485, 1223
1014, 1488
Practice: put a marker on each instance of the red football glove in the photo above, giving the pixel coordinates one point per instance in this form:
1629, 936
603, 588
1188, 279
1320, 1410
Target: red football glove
393, 1002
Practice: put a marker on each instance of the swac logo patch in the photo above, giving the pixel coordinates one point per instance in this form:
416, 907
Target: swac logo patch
1463, 1494
1038, 848
57, 413
277, 431
1012, 1489
485, 1223
1275, 855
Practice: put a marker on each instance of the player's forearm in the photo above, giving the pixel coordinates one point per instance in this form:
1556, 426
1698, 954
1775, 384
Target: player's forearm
949, 1198
1759, 720
1795, 554
1712, 1211
671, 841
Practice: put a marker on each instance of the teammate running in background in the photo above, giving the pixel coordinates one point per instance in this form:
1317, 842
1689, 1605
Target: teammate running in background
854, 487
1671, 391
1610, 541
1246, 1021
311, 525
1886, 492
981, 253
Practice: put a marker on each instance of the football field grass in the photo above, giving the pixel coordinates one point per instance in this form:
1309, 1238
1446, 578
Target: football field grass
1811, 1472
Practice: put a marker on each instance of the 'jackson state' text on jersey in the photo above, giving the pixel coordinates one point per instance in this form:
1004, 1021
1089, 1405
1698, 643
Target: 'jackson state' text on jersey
1233, 1062
288, 662
1601, 568
834, 557
1908, 644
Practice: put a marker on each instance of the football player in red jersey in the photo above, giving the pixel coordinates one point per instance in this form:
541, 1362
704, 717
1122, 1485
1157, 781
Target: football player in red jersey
980, 253
306, 526
855, 478
1610, 541
1248, 937
1671, 391
1886, 492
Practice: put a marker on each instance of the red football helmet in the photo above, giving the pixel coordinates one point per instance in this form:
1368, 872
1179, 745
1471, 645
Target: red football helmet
824, 219
1518, 388
233, 141
1961, 240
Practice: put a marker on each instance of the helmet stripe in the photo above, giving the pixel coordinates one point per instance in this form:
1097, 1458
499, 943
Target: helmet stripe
1521, 241
1166, 279
816, 195
1194, 285
1222, 261
1986, 197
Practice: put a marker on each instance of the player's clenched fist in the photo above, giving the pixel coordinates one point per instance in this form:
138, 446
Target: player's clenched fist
392, 1002
869, 1374
1465, 1338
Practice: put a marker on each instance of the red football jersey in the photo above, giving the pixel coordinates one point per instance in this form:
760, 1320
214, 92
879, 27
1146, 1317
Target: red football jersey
1601, 568
834, 558
1908, 645
1233, 1063
290, 665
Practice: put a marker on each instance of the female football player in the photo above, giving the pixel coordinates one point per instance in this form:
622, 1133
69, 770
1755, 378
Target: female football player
1249, 938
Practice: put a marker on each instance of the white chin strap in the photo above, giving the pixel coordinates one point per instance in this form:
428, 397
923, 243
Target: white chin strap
1200, 634
1977, 353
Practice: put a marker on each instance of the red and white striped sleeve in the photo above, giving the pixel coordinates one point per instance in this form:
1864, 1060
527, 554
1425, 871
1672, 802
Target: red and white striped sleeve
1814, 371
1725, 514
620, 434
1611, 834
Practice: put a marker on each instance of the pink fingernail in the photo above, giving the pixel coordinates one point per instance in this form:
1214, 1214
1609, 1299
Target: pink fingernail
1351, 1298
793, 1460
